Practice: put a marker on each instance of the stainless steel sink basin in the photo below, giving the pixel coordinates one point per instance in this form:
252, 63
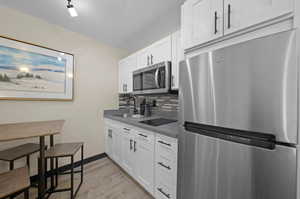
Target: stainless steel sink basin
128, 115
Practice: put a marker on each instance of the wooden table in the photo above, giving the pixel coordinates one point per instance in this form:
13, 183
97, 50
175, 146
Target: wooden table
17, 131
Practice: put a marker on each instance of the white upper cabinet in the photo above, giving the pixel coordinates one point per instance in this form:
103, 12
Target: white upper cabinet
126, 67
177, 56
167, 49
202, 21
161, 51
206, 20
143, 58
158, 52
240, 14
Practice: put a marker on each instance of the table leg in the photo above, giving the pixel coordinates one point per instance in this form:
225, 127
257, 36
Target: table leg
52, 162
42, 168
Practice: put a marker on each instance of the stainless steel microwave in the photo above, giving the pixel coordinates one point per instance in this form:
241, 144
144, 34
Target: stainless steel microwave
153, 79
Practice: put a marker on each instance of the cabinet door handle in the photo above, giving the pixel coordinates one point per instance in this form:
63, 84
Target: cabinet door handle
145, 136
151, 59
110, 133
229, 16
148, 58
162, 142
165, 194
130, 144
134, 146
124, 87
163, 165
173, 83
216, 22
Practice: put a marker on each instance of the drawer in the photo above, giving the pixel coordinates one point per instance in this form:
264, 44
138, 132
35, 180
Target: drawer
166, 146
165, 191
168, 165
163, 174
144, 137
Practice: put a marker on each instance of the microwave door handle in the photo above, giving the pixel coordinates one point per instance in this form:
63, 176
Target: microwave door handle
156, 78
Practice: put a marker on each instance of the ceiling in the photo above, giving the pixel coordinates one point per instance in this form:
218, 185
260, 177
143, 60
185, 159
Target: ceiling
127, 24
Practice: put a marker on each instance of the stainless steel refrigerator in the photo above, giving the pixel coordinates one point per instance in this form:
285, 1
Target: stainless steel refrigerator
239, 116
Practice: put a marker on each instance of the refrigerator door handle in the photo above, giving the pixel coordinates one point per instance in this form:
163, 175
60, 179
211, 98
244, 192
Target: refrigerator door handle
261, 140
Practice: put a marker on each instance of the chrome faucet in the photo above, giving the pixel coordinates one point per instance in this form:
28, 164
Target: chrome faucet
135, 111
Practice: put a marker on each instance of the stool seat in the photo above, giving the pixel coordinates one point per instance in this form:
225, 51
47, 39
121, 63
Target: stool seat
18, 152
63, 150
14, 181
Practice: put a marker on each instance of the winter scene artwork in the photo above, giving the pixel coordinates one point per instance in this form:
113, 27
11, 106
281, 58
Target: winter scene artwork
28, 71
34, 72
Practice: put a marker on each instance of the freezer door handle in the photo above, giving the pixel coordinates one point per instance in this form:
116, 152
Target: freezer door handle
262, 140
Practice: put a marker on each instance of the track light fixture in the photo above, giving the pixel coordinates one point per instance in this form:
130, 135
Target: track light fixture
71, 9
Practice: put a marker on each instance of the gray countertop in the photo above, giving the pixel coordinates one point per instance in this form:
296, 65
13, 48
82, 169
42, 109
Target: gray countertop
171, 129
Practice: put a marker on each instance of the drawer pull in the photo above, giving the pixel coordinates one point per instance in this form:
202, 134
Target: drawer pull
131, 144
145, 136
165, 194
126, 129
163, 165
134, 146
162, 142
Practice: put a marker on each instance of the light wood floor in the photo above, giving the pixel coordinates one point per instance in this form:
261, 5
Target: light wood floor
102, 180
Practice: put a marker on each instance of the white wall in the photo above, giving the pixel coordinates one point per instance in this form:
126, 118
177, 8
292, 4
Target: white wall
95, 84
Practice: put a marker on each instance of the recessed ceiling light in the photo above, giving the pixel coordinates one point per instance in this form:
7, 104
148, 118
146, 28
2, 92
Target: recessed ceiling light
72, 9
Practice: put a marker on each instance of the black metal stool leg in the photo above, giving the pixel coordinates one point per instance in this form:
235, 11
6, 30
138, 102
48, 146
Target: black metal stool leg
11, 165
56, 172
26, 194
72, 177
52, 163
81, 164
28, 162
46, 170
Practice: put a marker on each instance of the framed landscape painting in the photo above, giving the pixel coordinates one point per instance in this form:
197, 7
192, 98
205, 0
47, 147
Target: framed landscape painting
32, 72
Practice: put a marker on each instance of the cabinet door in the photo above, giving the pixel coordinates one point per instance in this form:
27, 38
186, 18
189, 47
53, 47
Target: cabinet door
126, 67
131, 65
117, 146
161, 51
122, 76
177, 56
128, 151
203, 21
143, 58
108, 140
241, 14
145, 161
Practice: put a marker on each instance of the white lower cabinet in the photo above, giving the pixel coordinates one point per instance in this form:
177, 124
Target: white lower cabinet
166, 150
129, 157
116, 145
145, 159
150, 158
108, 140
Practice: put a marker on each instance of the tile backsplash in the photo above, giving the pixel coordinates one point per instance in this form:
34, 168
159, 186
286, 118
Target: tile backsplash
167, 102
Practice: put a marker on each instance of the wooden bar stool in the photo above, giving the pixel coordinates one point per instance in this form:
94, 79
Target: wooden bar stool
15, 153
15, 182
62, 151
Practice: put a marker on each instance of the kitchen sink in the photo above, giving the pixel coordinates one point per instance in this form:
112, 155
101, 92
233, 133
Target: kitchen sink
158, 121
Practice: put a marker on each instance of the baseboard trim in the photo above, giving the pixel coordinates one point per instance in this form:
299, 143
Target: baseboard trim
67, 167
